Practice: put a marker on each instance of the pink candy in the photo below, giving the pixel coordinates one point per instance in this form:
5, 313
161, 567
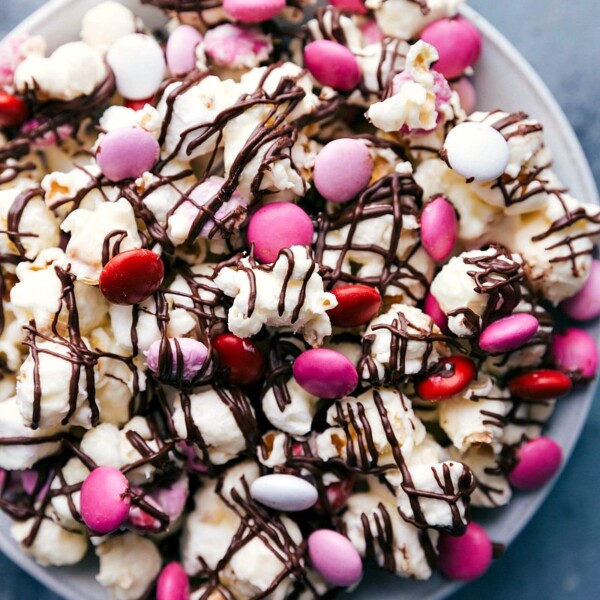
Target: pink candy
253, 11
188, 355
433, 309
334, 557
332, 64
325, 373
277, 226
343, 169
127, 153
371, 32
181, 50
585, 305
538, 462
173, 583
575, 352
466, 557
355, 6
105, 500
466, 93
509, 333
458, 43
439, 228
236, 47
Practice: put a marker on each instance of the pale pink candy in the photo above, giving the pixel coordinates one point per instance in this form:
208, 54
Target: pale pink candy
355, 6
371, 32
585, 305
173, 583
105, 500
10, 58
539, 461
466, 93
181, 49
575, 352
439, 228
343, 169
433, 309
325, 373
253, 11
237, 47
188, 354
50, 138
127, 153
332, 64
334, 557
466, 557
277, 226
458, 43
509, 333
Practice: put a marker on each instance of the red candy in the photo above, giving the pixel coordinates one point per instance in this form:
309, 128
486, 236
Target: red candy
138, 104
452, 376
337, 496
540, 384
241, 358
13, 110
132, 276
357, 305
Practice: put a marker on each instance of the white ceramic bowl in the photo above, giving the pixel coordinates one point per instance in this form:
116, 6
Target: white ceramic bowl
504, 80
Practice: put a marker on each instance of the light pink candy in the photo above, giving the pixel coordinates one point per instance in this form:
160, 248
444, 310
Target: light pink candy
334, 557
277, 226
343, 169
193, 354
585, 305
181, 50
539, 461
355, 6
325, 373
253, 11
433, 309
371, 32
236, 47
466, 557
10, 58
173, 583
458, 43
467, 94
127, 153
439, 228
105, 500
332, 64
575, 352
508, 333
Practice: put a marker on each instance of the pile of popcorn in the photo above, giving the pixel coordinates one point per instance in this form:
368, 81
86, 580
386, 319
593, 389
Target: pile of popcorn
275, 300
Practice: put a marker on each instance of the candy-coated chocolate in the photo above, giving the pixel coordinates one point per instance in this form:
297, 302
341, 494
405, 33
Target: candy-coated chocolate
240, 360
181, 50
439, 228
173, 583
334, 557
452, 375
253, 11
575, 352
432, 308
188, 355
585, 305
332, 64
508, 333
132, 276
138, 104
284, 492
343, 169
354, 6
466, 557
466, 92
357, 305
325, 373
538, 461
540, 384
337, 494
13, 110
277, 226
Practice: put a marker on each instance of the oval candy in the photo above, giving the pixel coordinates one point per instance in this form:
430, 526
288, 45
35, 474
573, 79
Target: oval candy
187, 355
509, 333
332, 64
13, 110
181, 50
239, 360
540, 384
334, 557
253, 11
357, 305
467, 94
585, 304
325, 373
466, 557
439, 228
575, 352
354, 6
538, 461
284, 492
173, 583
433, 309
452, 375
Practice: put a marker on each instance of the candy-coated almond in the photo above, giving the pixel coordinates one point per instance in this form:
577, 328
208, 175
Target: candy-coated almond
181, 50
466, 557
355, 6
585, 304
509, 333
439, 228
173, 583
284, 492
325, 373
357, 305
540, 384
452, 375
253, 11
575, 352
239, 360
432, 308
334, 557
187, 355
332, 64
538, 461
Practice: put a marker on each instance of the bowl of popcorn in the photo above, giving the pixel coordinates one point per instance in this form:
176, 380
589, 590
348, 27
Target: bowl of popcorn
298, 298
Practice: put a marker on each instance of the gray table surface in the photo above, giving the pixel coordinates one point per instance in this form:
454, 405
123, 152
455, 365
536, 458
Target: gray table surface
556, 557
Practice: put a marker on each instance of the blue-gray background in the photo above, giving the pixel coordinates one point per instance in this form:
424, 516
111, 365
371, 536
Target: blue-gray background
557, 556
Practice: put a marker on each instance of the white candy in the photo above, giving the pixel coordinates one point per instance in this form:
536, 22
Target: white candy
477, 151
284, 492
139, 65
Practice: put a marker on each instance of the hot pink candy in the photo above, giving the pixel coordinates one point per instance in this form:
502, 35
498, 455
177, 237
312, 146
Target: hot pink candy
127, 153
277, 226
466, 557
105, 500
253, 11
433, 309
539, 461
466, 93
173, 583
334, 557
343, 169
355, 6
193, 356
325, 373
575, 352
509, 333
181, 49
439, 228
458, 43
585, 305
332, 64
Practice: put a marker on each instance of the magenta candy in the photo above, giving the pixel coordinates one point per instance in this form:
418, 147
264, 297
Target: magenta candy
355, 6
332, 64
343, 169
585, 305
466, 93
439, 228
334, 557
325, 373
127, 153
173, 583
458, 43
575, 352
466, 557
277, 226
181, 49
433, 309
105, 500
538, 462
371, 32
192, 353
509, 333
253, 11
